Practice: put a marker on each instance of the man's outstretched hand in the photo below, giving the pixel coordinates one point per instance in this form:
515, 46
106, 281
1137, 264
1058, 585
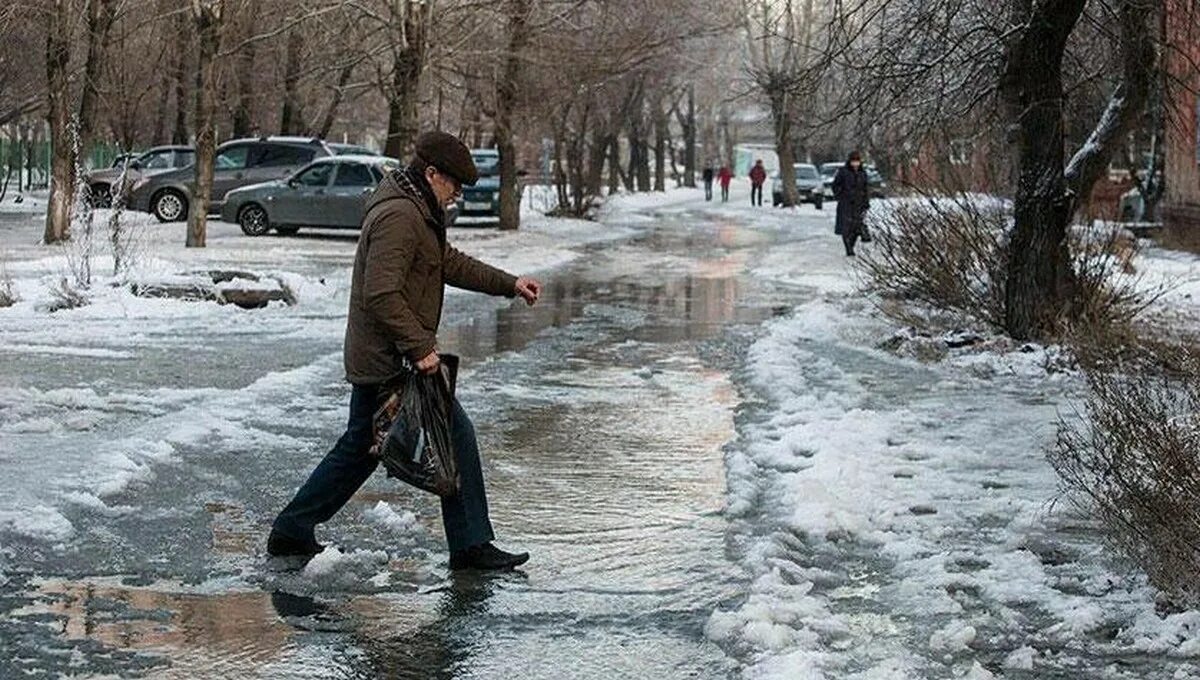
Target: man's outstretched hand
529, 289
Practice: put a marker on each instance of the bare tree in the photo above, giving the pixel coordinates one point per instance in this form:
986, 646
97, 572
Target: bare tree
207, 16
784, 68
971, 62
1040, 279
518, 14
58, 94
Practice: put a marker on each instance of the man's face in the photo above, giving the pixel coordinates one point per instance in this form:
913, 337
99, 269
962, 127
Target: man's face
445, 188
855, 163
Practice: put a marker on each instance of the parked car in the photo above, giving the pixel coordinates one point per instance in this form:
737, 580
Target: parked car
341, 149
828, 172
482, 201
328, 192
875, 182
147, 164
239, 163
809, 187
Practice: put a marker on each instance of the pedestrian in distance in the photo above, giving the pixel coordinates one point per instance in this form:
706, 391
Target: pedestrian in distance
708, 176
758, 177
725, 176
401, 267
853, 199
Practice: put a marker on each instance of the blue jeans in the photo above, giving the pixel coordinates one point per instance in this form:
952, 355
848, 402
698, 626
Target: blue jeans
344, 469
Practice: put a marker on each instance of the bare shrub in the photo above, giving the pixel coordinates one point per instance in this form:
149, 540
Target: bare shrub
951, 254
947, 253
1131, 459
8, 295
64, 295
121, 235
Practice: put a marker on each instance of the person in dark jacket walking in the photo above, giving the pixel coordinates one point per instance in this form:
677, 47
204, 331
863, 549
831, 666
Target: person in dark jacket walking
725, 176
401, 267
758, 177
853, 200
708, 176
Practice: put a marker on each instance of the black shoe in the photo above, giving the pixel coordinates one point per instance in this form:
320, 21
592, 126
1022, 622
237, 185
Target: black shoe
279, 545
486, 557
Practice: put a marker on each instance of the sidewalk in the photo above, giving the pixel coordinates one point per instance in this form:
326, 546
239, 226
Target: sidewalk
897, 516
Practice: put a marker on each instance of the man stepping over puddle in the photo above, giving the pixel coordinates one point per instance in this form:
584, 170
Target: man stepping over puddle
401, 267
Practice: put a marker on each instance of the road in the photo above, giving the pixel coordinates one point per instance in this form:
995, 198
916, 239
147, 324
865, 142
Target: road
603, 415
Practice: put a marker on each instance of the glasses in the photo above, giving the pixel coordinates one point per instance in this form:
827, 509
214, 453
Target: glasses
457, 185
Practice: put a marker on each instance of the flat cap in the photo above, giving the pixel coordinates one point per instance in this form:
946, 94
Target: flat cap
448, 154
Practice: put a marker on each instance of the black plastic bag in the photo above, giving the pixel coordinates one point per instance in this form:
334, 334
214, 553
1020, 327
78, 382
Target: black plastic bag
413, 428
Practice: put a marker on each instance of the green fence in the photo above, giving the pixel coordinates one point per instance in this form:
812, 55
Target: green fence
26, 165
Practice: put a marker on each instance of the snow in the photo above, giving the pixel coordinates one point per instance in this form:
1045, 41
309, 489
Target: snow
107, 438
892, 510
927, 474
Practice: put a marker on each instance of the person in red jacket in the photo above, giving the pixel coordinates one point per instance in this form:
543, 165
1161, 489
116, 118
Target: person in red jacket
725, 176
758, 176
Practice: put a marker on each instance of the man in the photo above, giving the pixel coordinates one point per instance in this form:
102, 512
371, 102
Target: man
708, 176
396, 294
758, 176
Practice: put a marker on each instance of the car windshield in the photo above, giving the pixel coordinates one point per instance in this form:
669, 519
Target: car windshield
806, 172
830, 169
486, 163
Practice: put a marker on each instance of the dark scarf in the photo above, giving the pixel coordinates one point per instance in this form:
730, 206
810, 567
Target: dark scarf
414, 183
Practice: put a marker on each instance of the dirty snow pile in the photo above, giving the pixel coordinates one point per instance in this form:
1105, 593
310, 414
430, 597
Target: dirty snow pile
896, 519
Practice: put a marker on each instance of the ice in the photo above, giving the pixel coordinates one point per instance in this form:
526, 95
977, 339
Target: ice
956, 636
1021, 659
334, 570
398, 523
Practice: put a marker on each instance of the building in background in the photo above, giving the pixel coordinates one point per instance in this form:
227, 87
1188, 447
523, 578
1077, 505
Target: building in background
1181, 162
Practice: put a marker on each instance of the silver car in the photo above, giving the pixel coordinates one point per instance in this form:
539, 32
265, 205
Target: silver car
239, 163
809, 186
160, 159
329, 193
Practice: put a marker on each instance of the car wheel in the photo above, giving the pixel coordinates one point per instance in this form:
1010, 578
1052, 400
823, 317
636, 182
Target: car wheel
100, 195
169, 205
287, 230
819, 203
253, 220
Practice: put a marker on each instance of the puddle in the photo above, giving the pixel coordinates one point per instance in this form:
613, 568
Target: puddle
602, 415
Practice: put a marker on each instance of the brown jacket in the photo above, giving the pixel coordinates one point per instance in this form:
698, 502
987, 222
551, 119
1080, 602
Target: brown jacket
396, 293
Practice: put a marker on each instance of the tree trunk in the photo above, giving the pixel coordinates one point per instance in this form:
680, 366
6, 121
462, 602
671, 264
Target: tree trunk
506, 104
339, 93
411, 23
689, 140
614, 164
597, 152
292, 121
179, 134
781, 118
207, 17
100, 17
62, 139
661, 123
243, 118
1039, 266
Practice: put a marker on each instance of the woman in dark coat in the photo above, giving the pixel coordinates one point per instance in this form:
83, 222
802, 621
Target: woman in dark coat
853, 199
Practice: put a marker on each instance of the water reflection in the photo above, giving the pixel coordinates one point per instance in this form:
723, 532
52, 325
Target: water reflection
694, 306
